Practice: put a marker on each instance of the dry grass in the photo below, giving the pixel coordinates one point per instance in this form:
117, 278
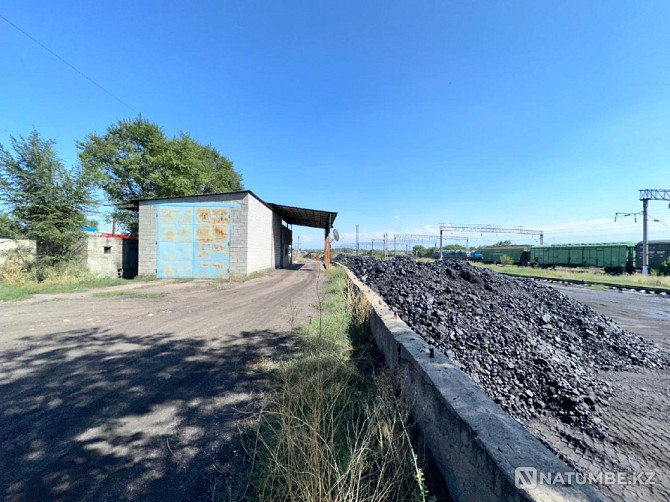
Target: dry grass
334, 430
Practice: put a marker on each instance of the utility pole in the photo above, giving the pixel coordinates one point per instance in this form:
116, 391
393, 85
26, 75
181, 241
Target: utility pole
645, 197
645, 241
356, 240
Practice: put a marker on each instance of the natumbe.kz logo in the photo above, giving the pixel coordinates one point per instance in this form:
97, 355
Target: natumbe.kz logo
529, 478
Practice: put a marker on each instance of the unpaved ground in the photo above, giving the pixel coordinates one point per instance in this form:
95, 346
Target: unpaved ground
647, 315
113, 398
638, 414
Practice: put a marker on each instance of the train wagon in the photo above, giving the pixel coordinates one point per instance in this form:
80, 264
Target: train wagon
614, 258
519, 254
450, 254
659, 251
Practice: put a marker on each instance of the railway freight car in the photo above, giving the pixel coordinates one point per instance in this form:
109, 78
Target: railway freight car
519, 254
659, 251
614, 258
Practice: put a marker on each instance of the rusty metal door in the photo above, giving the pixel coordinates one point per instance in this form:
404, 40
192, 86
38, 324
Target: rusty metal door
193, 241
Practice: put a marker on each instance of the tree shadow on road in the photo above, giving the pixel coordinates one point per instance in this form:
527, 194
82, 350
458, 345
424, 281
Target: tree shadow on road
100, 415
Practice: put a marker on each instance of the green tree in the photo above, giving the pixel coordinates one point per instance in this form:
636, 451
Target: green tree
44, 200
9, 228
503, 243
138, 161
418, 250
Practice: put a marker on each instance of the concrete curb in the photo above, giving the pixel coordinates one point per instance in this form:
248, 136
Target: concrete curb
474, 443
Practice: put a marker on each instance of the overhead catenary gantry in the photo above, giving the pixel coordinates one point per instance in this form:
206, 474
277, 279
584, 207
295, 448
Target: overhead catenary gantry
645, 196
491, 229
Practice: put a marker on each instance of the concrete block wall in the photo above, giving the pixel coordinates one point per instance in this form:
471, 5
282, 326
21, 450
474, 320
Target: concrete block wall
106, 264
262, 239
146, 251
474, 443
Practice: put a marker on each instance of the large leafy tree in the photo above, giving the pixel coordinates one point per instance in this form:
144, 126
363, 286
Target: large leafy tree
42, 199
138, 161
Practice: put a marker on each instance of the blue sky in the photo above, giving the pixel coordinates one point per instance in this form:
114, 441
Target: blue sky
398, 115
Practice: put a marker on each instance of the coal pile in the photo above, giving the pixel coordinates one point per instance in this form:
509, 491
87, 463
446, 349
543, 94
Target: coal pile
532, 349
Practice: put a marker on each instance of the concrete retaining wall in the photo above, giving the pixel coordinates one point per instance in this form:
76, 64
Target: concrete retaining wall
474, 443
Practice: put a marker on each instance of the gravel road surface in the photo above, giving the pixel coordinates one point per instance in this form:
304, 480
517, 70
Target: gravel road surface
118, 398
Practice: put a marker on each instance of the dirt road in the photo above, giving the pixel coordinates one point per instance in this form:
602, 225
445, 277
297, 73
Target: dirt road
116, 398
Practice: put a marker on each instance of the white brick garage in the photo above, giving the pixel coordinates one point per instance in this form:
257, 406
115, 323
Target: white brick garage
217, 235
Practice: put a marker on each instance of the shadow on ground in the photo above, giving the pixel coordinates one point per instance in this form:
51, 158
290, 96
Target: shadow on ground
98, 415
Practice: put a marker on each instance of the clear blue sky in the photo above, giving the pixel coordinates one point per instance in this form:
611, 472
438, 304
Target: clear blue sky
398, 115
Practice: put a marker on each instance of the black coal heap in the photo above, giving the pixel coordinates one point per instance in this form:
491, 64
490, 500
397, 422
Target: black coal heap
532, 349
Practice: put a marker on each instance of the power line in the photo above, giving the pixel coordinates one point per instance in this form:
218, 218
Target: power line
68, 64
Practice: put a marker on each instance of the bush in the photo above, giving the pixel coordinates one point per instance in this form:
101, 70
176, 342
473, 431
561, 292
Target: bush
664, 268
506, 260
17, 267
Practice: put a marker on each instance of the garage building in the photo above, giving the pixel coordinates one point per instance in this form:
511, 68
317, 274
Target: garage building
217, 236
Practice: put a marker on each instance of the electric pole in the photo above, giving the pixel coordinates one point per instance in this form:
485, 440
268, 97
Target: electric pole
645, 197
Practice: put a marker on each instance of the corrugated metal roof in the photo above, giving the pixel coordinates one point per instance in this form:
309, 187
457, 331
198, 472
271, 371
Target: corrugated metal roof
305, 217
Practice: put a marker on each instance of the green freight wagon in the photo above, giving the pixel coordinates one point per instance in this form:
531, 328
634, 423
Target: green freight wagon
614, 258
519, 254
659, 251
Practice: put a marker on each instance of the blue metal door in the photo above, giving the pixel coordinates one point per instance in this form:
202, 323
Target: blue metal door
212, 242
193, 241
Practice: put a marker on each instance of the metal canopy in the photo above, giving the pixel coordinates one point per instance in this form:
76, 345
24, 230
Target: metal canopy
305, 217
